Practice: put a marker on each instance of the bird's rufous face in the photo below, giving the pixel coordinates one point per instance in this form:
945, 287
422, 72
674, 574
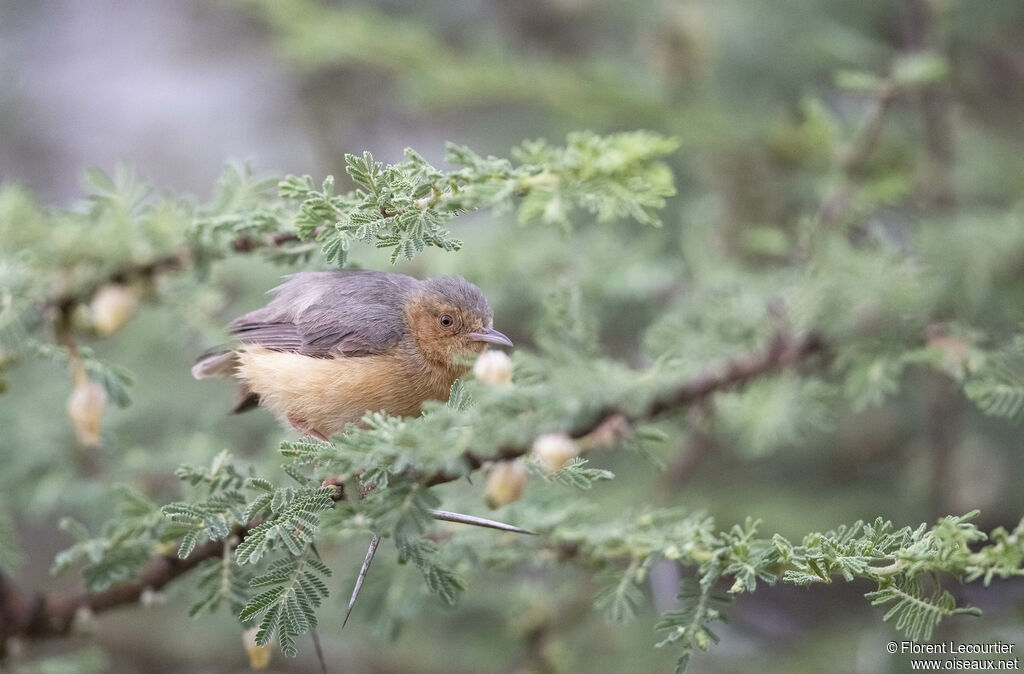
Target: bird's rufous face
445, 332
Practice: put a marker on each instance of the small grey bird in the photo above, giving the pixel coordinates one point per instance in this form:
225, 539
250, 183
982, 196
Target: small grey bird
332, 345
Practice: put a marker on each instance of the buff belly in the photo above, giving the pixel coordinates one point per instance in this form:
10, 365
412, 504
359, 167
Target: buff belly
324, 394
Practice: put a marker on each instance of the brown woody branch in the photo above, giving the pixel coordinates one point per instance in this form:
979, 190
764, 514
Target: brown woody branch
47, 616
64, 303
181, 260
782, 352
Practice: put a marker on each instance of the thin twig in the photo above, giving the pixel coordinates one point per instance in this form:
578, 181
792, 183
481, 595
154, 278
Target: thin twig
475, 521
922, 35
370, 552
853, 158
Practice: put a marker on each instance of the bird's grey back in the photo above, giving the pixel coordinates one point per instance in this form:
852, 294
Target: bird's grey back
336, 313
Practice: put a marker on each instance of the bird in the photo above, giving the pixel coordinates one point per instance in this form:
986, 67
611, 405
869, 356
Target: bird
331, 346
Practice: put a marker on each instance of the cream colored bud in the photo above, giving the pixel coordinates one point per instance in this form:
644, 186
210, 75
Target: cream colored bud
151, 597
505, 484
553, 450
84, 621
111, 306
493, 368
85, 407
259, 656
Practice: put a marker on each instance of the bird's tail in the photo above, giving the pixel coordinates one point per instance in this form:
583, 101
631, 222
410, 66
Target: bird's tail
215, 365
221, 364
218, 363
247, 400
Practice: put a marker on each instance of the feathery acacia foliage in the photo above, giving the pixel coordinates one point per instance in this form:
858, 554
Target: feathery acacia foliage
392, 463
404, 206
759, 326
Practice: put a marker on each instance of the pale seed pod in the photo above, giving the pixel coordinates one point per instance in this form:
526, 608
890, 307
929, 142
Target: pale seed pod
112, 306
553, 450
151, 597
493, 368
84, 621
85, 407
259, 656
505, 484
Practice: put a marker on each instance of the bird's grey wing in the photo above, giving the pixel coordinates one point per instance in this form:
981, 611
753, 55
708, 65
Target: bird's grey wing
327, 314
279, 336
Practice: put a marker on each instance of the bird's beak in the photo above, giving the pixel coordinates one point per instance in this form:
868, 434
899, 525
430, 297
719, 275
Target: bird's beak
489, 335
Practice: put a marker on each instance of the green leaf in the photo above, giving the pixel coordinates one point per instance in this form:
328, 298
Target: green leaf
288, 608
459, 397
188, 544
440, 579
575, 474
690, 626
857, 80
920, 68
916, 615
996, 398
621, 596
364, 170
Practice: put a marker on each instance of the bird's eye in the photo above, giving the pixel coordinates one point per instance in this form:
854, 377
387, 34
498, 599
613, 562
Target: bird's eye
446, 320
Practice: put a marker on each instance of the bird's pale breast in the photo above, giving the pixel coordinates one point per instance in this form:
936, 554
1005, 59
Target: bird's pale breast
327, 393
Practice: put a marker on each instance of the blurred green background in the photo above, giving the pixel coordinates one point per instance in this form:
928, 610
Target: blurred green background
177, 88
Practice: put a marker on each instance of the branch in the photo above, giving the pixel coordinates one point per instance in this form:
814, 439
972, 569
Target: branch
851, 161
936, 102
922, 34
47, 616
65, 302
182, 260
783, 352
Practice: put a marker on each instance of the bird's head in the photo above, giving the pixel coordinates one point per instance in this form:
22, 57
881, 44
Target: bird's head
448, 317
